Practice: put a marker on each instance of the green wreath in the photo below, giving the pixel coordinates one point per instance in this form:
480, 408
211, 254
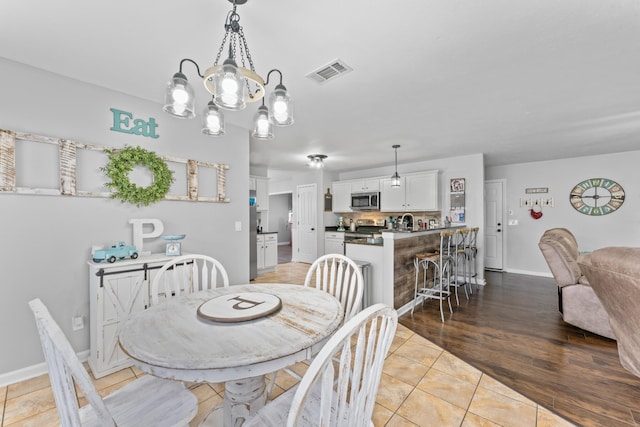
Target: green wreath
121, 163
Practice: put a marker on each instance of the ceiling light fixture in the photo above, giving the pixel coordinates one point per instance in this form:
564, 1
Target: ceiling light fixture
232, 86
395, 178
316, 160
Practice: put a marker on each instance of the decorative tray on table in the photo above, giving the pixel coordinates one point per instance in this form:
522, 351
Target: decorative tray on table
239, 307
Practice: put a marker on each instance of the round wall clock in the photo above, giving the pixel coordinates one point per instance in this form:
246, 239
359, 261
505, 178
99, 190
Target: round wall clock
597, 196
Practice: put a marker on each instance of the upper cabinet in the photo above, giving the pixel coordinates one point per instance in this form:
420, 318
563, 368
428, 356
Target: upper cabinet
365, 186
417, 192
341, 197
261, 186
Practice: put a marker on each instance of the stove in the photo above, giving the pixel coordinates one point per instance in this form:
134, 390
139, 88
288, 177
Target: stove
365, 228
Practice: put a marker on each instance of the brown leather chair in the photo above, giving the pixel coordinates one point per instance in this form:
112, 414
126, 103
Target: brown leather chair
614, 274
577, 302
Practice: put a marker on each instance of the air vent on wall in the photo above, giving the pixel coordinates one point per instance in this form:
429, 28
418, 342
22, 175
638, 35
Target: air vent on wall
332, 70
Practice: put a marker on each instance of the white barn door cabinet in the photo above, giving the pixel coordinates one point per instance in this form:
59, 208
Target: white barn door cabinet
116, 291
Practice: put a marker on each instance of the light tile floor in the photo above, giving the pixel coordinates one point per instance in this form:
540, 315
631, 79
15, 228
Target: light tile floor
422, 385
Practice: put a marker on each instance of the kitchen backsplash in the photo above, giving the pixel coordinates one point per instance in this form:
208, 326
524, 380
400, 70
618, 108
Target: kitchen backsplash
424, 216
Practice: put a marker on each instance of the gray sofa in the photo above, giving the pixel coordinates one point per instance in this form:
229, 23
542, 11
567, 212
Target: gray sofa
614, 274
577, 301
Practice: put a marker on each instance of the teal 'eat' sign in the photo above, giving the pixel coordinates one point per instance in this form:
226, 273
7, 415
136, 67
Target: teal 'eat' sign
125, 123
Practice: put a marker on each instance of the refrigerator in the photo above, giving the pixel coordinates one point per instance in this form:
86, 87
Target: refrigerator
253, 236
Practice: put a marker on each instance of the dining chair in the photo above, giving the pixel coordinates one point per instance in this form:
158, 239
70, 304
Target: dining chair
147, 401
187, 274
342, 394
340, 276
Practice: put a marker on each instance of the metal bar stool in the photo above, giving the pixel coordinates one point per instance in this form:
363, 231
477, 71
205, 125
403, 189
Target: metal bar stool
472, 253
440, 265
460, 266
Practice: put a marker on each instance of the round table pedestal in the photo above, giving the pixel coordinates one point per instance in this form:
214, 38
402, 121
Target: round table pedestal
242, 400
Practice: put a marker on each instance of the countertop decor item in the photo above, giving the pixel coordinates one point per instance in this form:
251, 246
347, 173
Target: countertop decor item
122, 162
597, 196
173, 246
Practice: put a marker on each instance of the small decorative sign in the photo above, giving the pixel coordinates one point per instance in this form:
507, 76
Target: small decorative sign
138, 127
536, 190
239, 307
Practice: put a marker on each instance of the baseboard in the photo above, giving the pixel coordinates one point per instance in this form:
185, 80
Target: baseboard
32, 371
529, 273
284, 243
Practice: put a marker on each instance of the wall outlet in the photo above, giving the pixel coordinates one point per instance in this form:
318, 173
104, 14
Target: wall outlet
238, 226
77, 323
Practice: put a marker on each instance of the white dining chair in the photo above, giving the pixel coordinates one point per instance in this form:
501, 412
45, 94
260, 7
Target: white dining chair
339, 276
187, 274
342, 394
147, 401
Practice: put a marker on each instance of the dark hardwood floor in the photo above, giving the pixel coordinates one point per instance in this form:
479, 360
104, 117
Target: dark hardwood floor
511, 329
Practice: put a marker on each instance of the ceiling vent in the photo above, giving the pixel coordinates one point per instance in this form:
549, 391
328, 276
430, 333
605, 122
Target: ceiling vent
331, 71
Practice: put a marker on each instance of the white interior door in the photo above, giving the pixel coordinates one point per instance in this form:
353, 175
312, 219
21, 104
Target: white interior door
307, 223
493, 224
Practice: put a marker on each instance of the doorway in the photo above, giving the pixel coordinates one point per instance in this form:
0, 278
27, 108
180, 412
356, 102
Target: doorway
494, 224
280, 217
305, 236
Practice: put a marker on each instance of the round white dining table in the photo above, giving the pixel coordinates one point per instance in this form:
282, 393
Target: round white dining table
171, 340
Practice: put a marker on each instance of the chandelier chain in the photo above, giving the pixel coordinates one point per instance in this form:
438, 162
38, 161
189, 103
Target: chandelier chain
224, 41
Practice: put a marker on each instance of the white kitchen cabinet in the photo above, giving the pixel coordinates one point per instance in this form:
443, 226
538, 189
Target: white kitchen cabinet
116, 291
334, 242
262, 194
365, 186
267, 251
417, 192
341, 197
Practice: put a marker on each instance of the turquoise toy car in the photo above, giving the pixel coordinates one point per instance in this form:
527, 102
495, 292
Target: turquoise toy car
116, 251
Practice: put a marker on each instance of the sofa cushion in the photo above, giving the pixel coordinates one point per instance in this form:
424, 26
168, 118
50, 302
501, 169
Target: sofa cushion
561, 254
614, 273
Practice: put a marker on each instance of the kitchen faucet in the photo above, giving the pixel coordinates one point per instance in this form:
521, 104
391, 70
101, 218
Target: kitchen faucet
402, 219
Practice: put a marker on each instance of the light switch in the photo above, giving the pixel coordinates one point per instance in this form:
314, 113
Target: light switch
238, 225
513, 222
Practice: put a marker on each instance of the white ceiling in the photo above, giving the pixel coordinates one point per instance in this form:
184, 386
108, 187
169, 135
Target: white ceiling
517, 80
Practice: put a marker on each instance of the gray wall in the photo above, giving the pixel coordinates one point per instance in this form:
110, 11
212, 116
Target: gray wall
620, 228
47, 239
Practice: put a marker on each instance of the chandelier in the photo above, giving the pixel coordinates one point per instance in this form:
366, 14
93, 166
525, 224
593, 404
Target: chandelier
231, 87
316, 160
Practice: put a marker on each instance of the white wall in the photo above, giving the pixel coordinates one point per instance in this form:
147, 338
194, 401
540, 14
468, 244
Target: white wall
47, 239
620, 228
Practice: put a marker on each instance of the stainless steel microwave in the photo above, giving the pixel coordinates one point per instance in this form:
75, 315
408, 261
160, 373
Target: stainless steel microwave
365, 201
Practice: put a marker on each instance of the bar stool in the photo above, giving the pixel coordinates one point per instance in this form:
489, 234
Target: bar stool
472, 252
459, 256
440, 265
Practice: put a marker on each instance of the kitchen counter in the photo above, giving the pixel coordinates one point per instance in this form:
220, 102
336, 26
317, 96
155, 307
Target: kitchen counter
267, 232
393, 275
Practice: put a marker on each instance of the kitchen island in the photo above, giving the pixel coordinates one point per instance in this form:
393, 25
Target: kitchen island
392, 275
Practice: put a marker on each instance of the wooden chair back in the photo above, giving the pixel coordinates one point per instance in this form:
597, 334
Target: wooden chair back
341, 277
65, 368
187, 274
344, 394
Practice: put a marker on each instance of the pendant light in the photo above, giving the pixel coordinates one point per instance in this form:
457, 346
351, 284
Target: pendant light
262, 123
395, 178
212, 120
